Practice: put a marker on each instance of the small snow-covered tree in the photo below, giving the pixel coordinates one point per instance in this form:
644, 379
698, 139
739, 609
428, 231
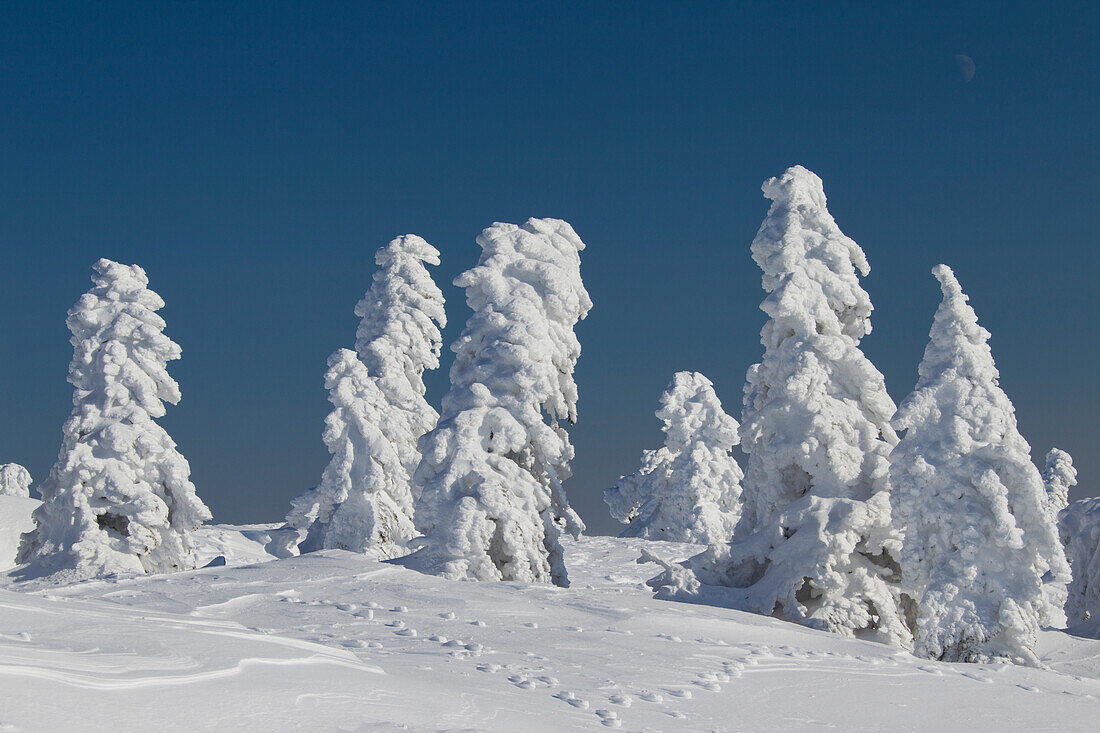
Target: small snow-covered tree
119, 499
14, 480
981, 555
493, 506
688, 490
364, 502
1059, 476
814, 543
1079, 529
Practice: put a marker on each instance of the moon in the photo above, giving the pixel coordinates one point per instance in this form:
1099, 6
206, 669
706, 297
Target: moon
966, 66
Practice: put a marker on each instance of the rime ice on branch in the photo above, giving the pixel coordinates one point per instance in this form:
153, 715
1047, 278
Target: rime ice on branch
688, 490
364, 502
814, 543
492, 506
119, 499
981, 555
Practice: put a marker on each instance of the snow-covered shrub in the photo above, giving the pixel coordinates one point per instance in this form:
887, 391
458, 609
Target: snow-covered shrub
119, 499
981, 555
1059, 476
814, 543
364, 502
689, 490
492, 506
1079, 529
14, 480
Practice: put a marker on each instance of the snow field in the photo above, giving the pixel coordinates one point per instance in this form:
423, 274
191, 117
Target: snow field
335, 640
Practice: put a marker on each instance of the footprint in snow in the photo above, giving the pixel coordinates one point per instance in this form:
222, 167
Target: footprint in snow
449, 615
355, 644
709, 685
609, 718
454, 643
437, 638
366, 613
675, 714
547, 680
374, 645
372, 604
522, 682
684, 694
490, 668
669, 637
477, 623
346, 606
574, 628
398, 624
1029, 688
650, 696
405, 632
618, 699
531, 625
931, 670
400, 609
572, 699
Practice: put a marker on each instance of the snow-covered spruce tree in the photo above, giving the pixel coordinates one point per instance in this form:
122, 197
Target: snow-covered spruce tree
119, 499
1059, 476
1079, 529
364, 502
688, 490
981, 555
492, 505
814, 543
14, 480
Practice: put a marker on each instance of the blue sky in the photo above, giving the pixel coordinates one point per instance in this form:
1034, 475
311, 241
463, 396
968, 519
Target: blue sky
252, 156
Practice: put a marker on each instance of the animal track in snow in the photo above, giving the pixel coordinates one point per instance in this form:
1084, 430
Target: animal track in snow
650, 696
572, 699
609, 718
620, 699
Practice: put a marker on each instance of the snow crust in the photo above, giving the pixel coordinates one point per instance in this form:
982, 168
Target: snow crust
493, 505
365, 500
119, 499
14, 480
814, 543
981, 554
688, 490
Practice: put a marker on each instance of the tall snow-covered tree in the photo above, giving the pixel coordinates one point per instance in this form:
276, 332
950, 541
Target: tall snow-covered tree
1059, 476
14, 480
119, 499
1079, 530
364, 502
981, 555
492, 505
814, 543
688, 490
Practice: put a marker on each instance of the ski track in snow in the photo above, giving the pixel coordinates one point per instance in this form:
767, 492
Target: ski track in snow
334, 640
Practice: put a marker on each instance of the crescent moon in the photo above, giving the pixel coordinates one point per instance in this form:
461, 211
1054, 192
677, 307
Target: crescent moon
966, 66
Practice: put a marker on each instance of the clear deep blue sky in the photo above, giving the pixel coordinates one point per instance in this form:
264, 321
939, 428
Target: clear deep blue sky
252, 156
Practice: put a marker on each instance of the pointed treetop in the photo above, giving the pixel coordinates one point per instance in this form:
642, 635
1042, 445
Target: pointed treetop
402, 313
691, 410
407, 245
956, 341
811, 267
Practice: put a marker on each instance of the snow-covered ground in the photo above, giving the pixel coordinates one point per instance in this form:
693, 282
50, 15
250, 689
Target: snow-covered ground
335, 641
